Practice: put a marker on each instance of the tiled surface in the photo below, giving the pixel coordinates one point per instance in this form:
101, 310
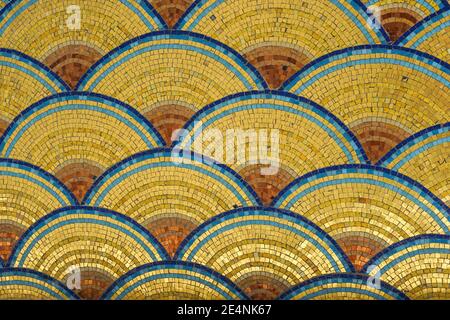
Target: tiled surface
89, 177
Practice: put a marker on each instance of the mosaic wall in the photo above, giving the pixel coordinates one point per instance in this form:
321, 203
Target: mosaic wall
101, 197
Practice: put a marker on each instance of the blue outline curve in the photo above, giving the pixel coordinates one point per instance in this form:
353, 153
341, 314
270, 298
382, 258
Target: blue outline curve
361, 279
438, 203
183, 265
401, 245
405, 144
56, 284
405, 38
289, 83
381, 35
115, 169
347, 133
148, 8
301, 221
441, 4
52, 76
133, 113
247, 67
52, 180
95, 212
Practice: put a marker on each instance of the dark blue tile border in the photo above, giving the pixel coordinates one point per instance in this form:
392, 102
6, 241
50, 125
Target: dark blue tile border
89, 96
43, 174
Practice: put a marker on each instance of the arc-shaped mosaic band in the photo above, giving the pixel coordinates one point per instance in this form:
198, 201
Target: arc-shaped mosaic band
410, 58
238, 245
280, 37
25, 284
17, 24
432, 144
191, 42
27, 193
343, 287
417, 266
431, 35
412, 90
351, 13
387, 206
23, 81
170, 192
83, 132
175, 73
169, 280
250, 110
101, 245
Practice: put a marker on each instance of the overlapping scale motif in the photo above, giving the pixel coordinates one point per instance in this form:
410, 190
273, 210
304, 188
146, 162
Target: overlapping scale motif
170, 193
27, 193
200, 71
66, 46
383, 94
310, 137
76, 137
418, 266
224, 149
102, 244
364, 208
19, 283
263, 250
172, 281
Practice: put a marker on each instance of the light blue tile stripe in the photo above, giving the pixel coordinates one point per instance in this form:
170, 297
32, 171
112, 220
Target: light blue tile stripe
293, 111
31, 284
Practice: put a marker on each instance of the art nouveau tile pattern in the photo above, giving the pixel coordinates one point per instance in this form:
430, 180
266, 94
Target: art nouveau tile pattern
109, 186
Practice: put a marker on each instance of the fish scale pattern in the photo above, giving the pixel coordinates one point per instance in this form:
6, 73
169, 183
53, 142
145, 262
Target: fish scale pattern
109, 187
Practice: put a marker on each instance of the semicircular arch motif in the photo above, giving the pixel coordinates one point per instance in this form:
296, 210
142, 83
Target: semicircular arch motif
417, 266
25, 284
365, 208
170, 192
263, 250
27, 193
280, 37
382, 93
173, 280
270, 138
77, 136
343, 287
97, 244
423, 157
